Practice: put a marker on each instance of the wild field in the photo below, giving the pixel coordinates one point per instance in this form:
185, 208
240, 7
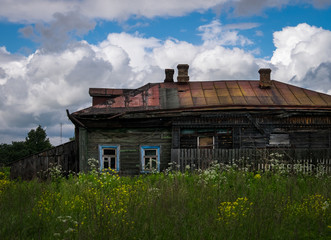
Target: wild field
219, 203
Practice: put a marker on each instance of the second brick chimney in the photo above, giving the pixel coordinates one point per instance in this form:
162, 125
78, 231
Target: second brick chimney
183, 76
169, 75
265, 81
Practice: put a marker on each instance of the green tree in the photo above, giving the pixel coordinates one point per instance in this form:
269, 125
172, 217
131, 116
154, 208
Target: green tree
12, 152
37, 140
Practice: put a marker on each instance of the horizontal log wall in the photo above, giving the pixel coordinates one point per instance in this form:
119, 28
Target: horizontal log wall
34, 165
255, 159
129, 141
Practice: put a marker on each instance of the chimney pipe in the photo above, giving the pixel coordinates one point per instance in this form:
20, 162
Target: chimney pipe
183, 73
169, 73
265, 81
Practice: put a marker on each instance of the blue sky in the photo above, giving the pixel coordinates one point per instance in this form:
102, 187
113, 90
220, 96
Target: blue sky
184, 27
51, 52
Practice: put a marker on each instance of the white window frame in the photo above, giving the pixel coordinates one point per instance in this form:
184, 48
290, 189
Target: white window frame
142, 157
117, 157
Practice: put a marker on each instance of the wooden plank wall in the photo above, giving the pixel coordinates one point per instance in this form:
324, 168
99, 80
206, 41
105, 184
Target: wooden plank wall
130, 141
255, 159
30, 167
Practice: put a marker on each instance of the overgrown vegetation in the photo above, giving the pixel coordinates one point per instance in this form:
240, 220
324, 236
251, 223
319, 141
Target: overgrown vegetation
35, 142
219, 203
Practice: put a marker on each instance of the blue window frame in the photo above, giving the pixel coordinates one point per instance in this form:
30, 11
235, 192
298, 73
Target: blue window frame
150, 158
109, 157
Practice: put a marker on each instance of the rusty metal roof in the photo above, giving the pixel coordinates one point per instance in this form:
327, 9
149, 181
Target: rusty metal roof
232, 94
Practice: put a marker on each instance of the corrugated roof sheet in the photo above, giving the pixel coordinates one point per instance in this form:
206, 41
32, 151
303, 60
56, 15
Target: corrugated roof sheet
234, 94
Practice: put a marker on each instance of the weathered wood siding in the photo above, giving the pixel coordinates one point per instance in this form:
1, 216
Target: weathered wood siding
29, 167
130, 140
254, 129
307, 160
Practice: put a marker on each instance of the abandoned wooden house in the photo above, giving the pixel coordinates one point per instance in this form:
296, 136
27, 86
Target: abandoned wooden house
138, 130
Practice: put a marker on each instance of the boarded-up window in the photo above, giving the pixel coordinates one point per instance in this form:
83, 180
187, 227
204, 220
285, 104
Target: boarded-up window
206, 138
206, 142
279, 139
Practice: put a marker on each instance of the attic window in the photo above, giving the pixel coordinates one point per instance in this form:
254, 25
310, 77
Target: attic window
279, 139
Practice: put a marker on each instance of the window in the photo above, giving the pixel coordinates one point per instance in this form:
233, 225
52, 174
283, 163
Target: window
206, 142
279, 139
206, 138
109, 157
150, 158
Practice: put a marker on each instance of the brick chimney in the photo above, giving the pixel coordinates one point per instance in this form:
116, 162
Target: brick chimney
169, 73
183, 73
265, 81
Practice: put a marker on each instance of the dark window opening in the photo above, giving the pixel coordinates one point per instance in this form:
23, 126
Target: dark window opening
109, 158
206, 138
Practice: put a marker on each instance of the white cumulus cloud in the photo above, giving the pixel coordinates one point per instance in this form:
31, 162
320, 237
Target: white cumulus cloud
33, 11
299, 50
36, 89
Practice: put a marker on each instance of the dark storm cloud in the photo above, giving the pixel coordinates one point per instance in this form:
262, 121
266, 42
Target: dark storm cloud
319, 78
62, 30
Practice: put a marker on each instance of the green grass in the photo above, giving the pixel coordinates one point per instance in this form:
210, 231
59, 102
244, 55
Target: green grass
210, 205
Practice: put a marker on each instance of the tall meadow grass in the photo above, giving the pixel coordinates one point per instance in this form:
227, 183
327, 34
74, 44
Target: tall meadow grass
218, 203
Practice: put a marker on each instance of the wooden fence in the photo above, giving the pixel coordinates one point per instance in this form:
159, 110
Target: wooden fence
292, 160
35, 165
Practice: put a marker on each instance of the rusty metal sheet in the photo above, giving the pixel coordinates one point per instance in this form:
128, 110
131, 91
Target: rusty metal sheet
288, 96
153, 96
183, 87
168, 85
135, 101
276, 96
266, 100
185, 98
210, 93
115, 91
212, 101
97, 91
252, 100
300, 95
199, 101
315, 97
211, 97
119, 102
225, 100
219, 94
195, 85
239, 100
197, 93
280, 85
232, 84
207, 85
257, 90
246, 89
185, 94
186, 102
235, 92
223, 92
220, 84
326, 98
